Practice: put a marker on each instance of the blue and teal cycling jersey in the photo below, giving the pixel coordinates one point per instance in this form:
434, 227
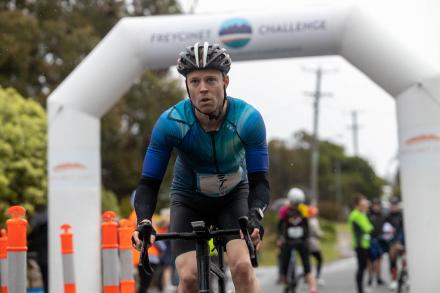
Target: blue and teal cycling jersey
211, 163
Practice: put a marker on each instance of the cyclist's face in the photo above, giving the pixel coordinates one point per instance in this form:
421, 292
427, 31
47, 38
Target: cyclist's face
376, 208
363, 205
206, 88
394, 208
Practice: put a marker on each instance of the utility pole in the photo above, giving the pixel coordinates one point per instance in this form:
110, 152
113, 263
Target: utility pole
338, 183
355, 132
193, 6
314, 152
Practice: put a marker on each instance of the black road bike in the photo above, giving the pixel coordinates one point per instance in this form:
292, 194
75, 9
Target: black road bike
201, 234
294, 277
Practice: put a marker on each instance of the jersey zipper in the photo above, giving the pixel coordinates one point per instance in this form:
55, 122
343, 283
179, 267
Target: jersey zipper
214, 152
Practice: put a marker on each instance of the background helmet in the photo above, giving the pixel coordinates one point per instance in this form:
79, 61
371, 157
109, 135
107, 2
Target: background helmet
203, 56
296, 195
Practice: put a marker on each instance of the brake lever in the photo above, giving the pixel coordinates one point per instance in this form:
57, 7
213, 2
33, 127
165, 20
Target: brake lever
243, 222
144, 261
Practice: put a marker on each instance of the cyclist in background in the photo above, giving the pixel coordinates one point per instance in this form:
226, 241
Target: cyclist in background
376, 217
361, 228
396, 237
166, 258
293, 235
220, 173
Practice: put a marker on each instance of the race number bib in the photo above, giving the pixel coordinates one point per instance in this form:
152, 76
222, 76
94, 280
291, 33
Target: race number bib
218, 184
295, 232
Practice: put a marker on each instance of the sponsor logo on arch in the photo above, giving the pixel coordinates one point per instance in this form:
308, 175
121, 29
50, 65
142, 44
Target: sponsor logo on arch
423, 138
69, 166
235, 33
427, 142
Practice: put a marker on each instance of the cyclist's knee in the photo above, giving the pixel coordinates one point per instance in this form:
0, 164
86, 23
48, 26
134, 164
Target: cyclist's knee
392, 254
187, 270
242, 272
188, 281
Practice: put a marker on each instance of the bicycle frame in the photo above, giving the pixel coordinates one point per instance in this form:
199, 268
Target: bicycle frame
219, 270
201, 235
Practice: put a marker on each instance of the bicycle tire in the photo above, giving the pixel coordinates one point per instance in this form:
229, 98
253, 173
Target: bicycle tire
292, 279
290, 289
401, 282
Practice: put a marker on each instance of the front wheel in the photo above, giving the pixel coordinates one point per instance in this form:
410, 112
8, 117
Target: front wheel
290, 288
291, 284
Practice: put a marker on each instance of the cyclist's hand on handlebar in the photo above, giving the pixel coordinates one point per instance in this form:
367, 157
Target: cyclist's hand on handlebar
136, 238
135, 241
255, 227
255, 237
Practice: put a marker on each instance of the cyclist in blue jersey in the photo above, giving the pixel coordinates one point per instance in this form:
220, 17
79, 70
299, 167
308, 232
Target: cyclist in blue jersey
220, 173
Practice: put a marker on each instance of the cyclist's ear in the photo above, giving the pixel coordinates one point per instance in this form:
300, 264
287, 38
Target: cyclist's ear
226, 80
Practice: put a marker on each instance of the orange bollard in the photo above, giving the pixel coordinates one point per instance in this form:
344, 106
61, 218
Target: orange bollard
127, 281
135, 253
67, 259
3, 262
110, 260
16, 249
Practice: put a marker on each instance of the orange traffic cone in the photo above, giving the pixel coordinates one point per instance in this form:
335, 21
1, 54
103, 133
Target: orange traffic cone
3, 262
110, 260
16, 250
67, 259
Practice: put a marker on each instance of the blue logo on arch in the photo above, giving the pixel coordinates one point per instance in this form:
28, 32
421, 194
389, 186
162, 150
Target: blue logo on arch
235, 33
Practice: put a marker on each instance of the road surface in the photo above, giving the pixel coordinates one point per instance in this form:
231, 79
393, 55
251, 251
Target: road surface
339, 278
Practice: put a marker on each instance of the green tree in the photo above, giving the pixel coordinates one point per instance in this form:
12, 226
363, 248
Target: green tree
359, 176
40, 48
290, 166
41, 42
126, 130
22, 151
109, 201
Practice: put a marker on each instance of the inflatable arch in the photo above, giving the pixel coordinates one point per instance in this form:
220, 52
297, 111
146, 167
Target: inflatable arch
134, 44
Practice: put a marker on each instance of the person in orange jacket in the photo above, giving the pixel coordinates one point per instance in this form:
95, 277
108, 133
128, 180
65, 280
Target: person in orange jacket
167, 261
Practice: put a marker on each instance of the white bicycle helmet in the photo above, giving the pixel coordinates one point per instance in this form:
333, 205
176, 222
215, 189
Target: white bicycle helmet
203, 56
296, 195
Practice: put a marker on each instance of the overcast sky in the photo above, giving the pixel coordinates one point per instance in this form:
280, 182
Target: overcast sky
277, 89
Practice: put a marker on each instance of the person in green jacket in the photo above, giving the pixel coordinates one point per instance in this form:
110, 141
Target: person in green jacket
361, 228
